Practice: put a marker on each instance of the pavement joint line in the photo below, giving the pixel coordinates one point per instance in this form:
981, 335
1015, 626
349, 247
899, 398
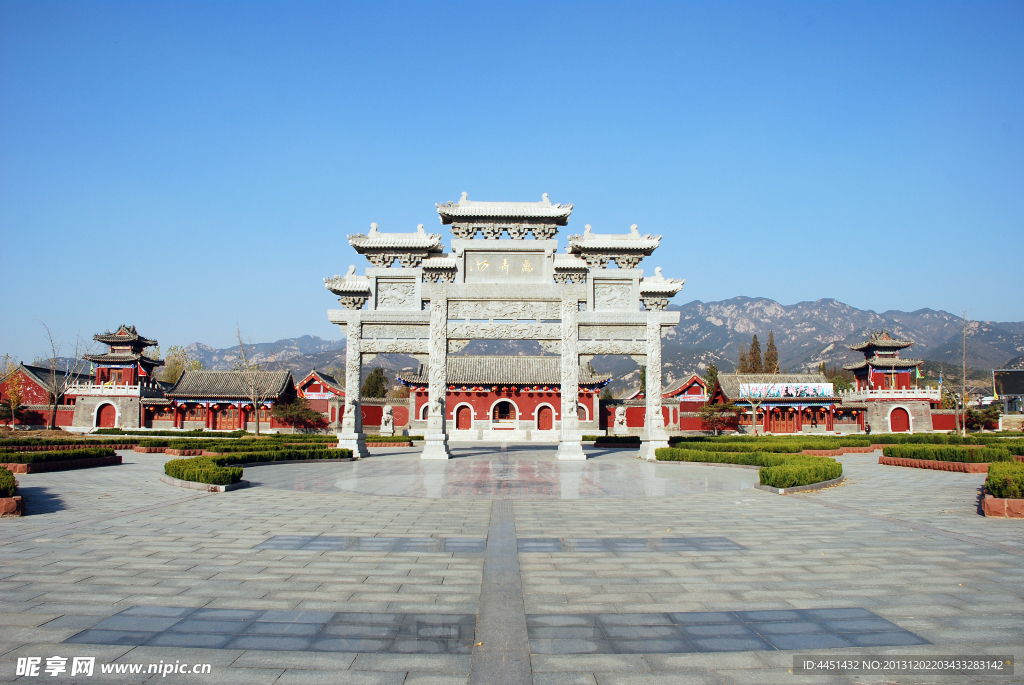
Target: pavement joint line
99, 519
502, 651
970, 539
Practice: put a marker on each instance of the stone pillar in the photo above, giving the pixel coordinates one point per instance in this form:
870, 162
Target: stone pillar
571, 445
654, 435
351, 436
436, 438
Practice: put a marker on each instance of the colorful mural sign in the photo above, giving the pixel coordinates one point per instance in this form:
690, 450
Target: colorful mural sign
762, 390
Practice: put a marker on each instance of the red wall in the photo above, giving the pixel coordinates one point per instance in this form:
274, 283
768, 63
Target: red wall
31, 392
944, 422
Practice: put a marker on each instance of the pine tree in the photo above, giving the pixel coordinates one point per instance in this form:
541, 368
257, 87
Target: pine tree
742, 365
771, 355
754, 356
643, 380
376, 384
710, 376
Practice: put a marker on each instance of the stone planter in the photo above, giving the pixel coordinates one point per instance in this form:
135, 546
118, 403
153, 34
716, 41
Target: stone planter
958, 466
150, 450
12, 506
1002, 508
43, 467
801, 488
388, 444
203, 487
183, 453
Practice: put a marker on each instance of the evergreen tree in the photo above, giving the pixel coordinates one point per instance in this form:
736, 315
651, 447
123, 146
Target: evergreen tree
376, 384
710, 376
771, 355
743, 366
754, 356
643, 380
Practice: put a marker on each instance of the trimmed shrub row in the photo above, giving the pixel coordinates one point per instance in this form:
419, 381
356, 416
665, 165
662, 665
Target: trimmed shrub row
8, 484
61, 455
1005, 480
184, 434
778, 470
614, 439
202, 470
387, 438
967, 455
219, 470
55, 442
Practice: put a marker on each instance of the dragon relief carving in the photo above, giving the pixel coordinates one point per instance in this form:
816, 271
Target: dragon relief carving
395, 294
613, 295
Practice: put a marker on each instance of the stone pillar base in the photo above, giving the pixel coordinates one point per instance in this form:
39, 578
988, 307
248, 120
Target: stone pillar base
435, 446
387, 431
649, 443
355, 442
570, 447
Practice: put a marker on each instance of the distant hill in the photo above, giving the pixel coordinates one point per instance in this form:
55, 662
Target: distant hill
806, 333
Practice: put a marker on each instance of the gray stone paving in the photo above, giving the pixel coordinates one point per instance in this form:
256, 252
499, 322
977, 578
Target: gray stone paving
904, 544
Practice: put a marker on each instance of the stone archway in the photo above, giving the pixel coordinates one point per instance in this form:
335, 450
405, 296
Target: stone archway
106, 416
899, 420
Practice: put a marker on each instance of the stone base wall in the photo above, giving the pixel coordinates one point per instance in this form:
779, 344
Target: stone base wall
920, 415
128, 409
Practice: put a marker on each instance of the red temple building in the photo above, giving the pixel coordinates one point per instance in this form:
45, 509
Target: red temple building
221, 400
887, 387
506, 398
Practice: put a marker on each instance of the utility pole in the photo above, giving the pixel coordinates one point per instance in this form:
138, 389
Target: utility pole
963, 380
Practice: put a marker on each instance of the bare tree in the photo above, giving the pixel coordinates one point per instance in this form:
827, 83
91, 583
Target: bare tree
258, 384
62, 372
756, 399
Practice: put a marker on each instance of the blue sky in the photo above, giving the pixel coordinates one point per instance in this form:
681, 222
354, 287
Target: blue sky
186, 167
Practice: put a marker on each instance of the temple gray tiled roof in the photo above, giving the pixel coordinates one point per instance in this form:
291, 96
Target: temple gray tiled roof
730, 382
882, 341
228, 384
885, 363
466, 209
488, 371
128, 335
613, 241
121, 358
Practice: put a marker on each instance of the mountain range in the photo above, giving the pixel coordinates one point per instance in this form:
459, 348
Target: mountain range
806, 334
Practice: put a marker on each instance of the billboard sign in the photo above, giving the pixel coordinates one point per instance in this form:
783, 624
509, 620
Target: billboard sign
783, 390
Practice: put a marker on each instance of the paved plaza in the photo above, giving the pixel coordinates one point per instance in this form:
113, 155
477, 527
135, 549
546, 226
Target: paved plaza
505, 565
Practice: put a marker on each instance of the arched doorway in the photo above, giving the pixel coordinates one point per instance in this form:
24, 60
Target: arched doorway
106, 416
463, 418
504, 415
899, 420
544, 419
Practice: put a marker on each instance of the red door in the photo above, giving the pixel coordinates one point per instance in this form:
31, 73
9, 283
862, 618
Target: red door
544, 419
106, 417
464, 419
899, 421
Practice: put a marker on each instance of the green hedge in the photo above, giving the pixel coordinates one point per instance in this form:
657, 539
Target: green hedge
220, 470
1005, 480
54, 442
8, 485
256, 446
281, 455
202, 470
388, 438
184, 434
59, 455
927, 439
970, 455
778, 470
803, 470
618, 439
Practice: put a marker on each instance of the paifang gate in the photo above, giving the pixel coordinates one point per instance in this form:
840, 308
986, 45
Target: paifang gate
498, 288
